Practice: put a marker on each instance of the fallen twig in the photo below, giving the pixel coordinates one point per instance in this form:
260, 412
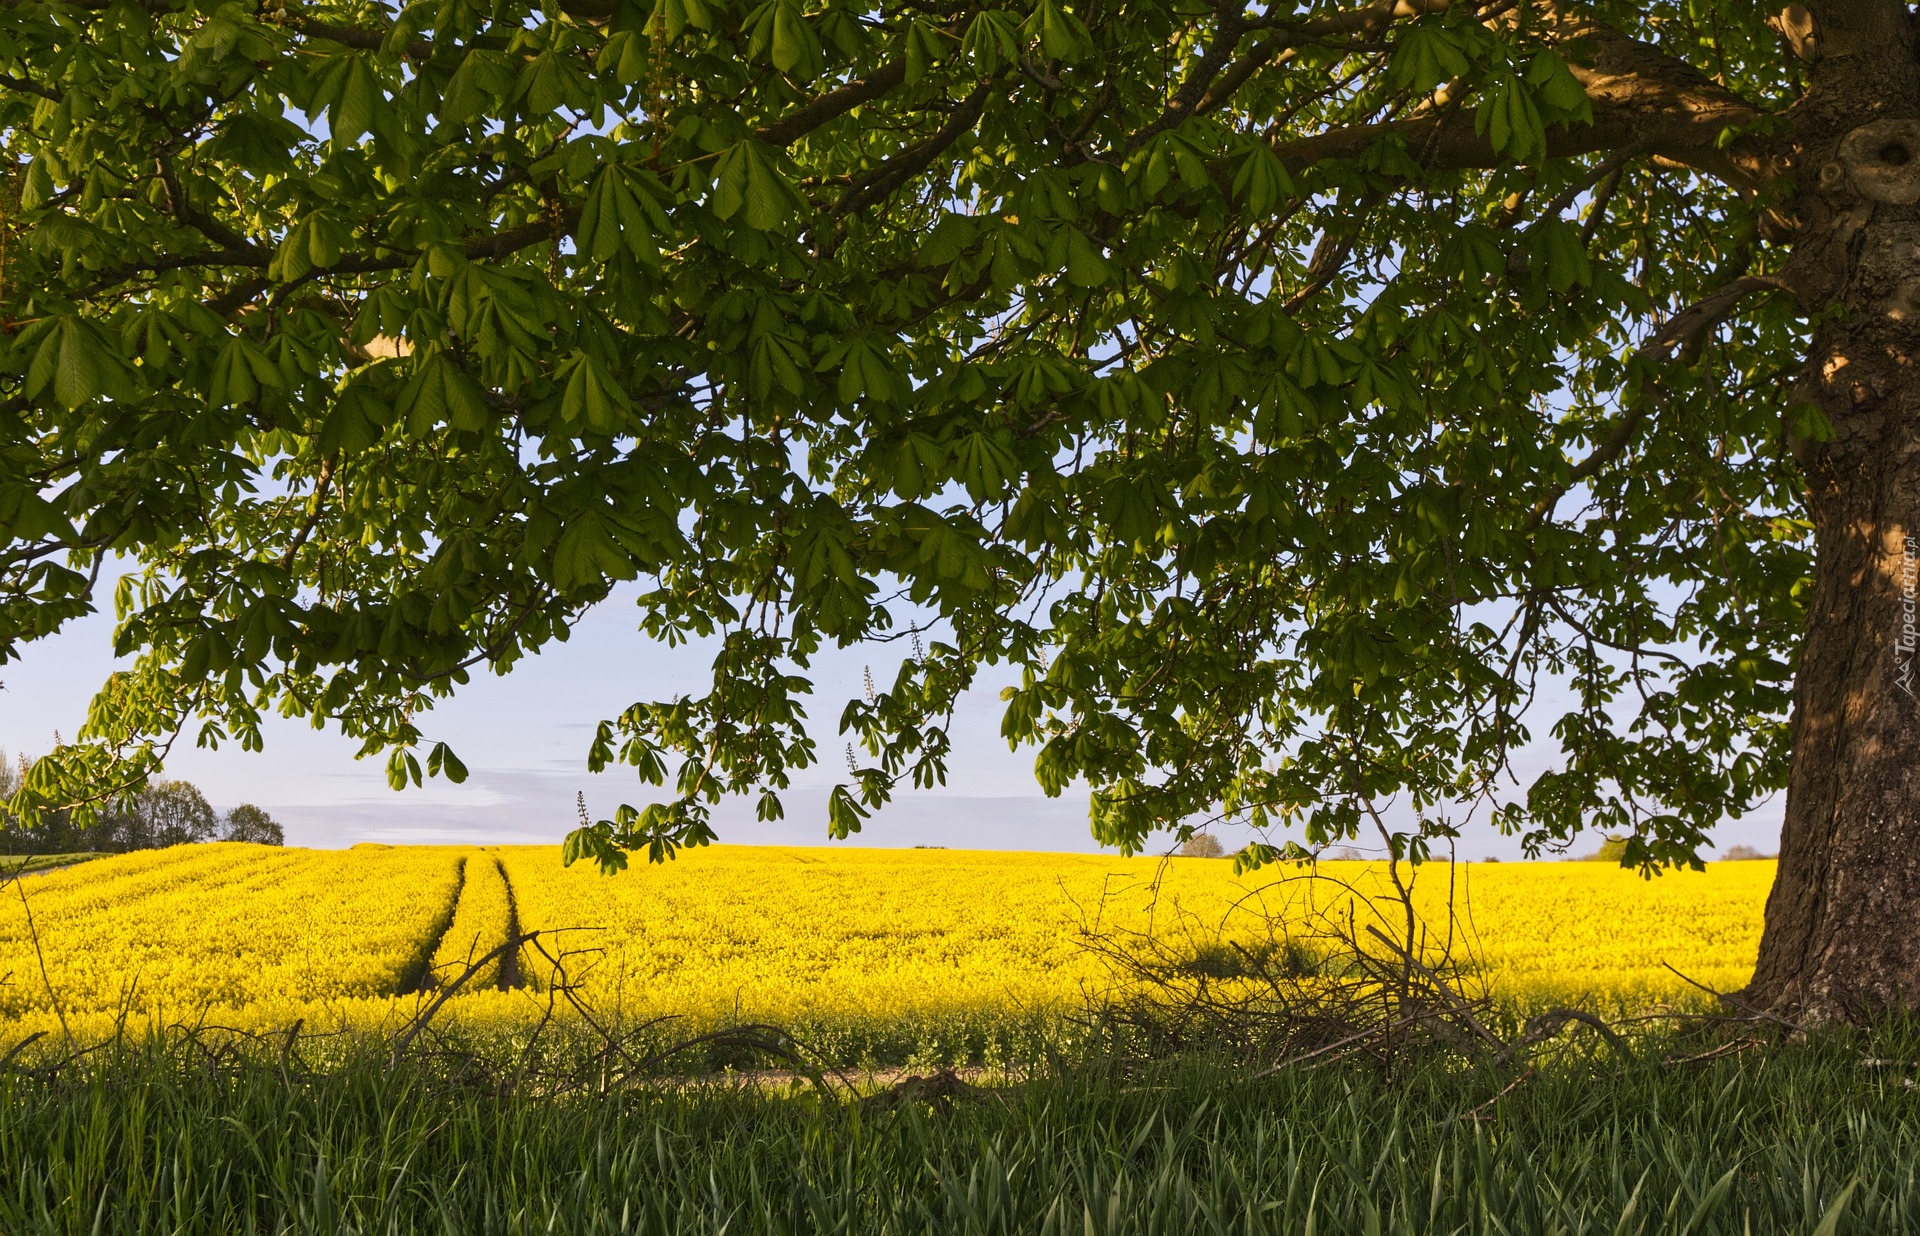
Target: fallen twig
940, 1090
1461, 1008
1352, 1039
286, 1051
1543, 1026
1712, 1053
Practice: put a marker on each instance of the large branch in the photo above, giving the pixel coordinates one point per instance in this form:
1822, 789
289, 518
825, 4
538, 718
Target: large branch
1671, 108
1642, 100
1716, 308
1288, 37
833, 104
917, 158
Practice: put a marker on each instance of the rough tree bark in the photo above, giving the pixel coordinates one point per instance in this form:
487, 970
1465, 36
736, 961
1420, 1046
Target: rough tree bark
1842, 933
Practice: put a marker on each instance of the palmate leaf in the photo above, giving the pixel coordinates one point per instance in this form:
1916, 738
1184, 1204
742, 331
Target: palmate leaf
1086, 265
1427, 55
348, 91
442, 392
240, 370
1060, 34
355, 422
592, 398
778, 31
74, 363
589, 554
623, 212
673, 16
748, 183
992, 40
844, 814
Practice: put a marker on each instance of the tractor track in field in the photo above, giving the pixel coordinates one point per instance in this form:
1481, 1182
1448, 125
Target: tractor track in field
511, 979
419, 978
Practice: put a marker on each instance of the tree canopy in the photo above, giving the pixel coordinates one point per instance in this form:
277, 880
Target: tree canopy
1287, 394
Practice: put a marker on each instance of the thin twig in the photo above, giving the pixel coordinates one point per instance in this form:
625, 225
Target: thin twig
1738, 1003
446, 993
1460, 1007
1350, 1040
286, 1050
1473, 1113
21, 1046
39, 955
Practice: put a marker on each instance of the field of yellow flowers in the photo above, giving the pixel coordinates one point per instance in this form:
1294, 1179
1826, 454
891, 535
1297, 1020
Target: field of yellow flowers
255, 937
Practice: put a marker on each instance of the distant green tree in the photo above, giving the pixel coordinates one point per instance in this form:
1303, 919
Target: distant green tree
1201, 845
1613, 849
166, 813
249, 823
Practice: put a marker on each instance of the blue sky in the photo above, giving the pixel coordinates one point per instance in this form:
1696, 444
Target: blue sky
524, 739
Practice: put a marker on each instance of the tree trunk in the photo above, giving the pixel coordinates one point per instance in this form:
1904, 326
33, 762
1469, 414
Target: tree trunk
1842, 934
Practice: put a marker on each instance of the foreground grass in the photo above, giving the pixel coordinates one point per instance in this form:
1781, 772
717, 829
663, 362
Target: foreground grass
1808, 1139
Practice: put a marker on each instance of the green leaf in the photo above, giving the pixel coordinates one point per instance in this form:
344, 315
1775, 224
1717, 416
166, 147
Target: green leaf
621, 213
925, 46
986, 464
1061, 35
240, 371
992, 39
1424, 56
354, 423
1510, 120
747, 183
76, 363
589, 554
1086, 265
865, 372
1262, 181
1558, 243
484, 78
1558, 88
1809, 423
442, 392
592, 397
350, 95
37, 186
777, 30
844, 814
555, 80
442, 760
403, 766
674, 16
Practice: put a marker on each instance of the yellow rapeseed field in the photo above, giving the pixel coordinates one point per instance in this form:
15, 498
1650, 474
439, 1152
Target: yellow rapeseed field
254, 936
225, 933
777, 932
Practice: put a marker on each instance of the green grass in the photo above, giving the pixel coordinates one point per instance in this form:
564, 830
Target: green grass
189, 1141
11, 864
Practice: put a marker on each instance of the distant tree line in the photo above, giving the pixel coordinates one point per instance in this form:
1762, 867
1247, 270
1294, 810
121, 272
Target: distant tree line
164, 813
